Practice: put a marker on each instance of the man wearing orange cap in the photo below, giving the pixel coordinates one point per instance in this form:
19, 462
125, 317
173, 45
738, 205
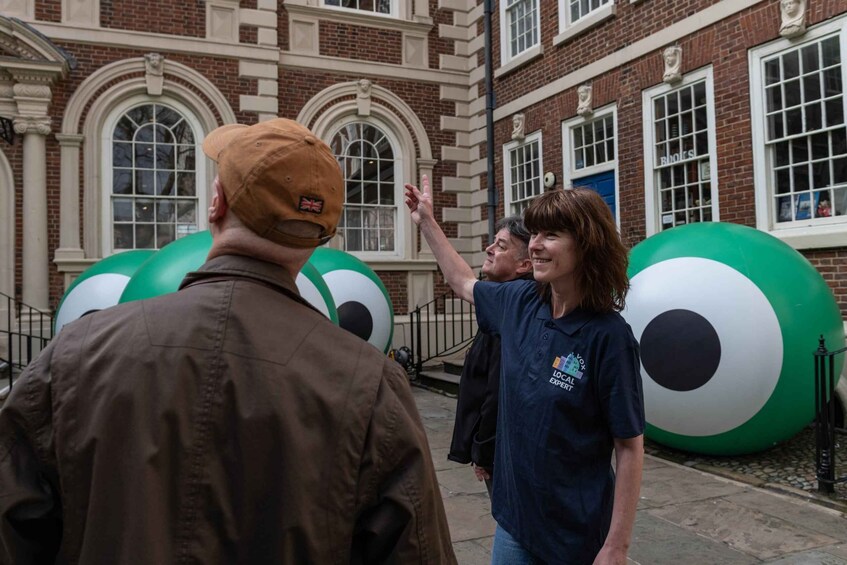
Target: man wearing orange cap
229, 422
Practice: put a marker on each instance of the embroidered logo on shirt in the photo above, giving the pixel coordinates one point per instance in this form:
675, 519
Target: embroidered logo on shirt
567, 371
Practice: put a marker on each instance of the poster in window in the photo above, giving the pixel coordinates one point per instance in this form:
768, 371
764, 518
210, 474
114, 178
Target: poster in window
804, 205
784, 210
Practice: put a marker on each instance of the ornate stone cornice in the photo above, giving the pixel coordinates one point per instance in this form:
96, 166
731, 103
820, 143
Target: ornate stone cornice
28, 124
30, 90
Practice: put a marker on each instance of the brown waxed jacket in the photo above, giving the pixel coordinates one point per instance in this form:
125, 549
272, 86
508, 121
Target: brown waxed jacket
226, 423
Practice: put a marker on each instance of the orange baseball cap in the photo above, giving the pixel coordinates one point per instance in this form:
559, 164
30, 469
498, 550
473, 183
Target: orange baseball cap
276, 171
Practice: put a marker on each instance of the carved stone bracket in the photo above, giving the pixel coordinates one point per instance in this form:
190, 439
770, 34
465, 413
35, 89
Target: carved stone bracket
363, 97
673, 64
154, 73
518, 127
30, 124
585, 94
793, 18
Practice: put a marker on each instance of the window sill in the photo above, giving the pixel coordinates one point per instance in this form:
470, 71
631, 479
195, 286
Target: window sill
818, 237
519, 61
346, 16
584, 24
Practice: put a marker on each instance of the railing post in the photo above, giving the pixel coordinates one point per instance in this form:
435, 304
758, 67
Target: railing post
824, 420
418, 342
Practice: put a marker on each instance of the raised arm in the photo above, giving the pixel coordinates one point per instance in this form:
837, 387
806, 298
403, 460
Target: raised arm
458, 274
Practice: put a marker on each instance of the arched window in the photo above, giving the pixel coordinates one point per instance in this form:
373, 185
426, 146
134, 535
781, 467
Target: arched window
154, 184
366, 157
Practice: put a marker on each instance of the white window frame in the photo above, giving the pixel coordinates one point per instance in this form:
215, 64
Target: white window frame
799, 235
569, 170
106, 168
507, 60
402, 219
571, 28
507, 169
652, 212
397, 10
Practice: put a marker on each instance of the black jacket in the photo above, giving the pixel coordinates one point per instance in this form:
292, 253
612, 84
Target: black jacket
476, 409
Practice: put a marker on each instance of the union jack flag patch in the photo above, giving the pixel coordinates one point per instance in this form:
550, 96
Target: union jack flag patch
313, 205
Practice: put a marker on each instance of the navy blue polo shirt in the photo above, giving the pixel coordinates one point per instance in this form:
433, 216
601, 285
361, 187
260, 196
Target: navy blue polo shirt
568, 387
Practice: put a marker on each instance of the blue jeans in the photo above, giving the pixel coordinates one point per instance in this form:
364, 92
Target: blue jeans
508, 551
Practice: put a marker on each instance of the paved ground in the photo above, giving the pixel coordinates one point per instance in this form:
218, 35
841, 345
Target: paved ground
685, 515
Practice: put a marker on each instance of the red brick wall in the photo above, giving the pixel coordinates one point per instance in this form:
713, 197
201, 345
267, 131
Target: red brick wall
48, 10
724, 46
160, 16
397, 285
360, 42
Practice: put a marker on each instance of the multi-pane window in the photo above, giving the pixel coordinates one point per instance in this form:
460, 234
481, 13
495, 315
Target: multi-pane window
578, 9
681, 156
523, 173
806, 137
366, 157
154, 181
522, 20
376, 6
594, 143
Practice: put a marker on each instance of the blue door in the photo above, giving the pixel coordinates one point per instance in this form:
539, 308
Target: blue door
602, 183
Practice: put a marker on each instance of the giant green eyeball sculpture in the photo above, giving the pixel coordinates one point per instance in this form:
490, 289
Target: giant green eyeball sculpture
164, 271
728, 320
99, 286
364, 307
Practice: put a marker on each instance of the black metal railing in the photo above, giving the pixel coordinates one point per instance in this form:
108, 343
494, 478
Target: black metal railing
825, 418
24, 331
446, 323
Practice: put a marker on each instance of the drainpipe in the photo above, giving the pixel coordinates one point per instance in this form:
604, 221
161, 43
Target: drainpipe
489, 121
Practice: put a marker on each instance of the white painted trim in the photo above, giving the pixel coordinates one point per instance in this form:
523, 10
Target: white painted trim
524, 58
505, 39
799, 235
399, 22
311, 109
702, 19
156, 42
651, 211
371, 69
89, 87
93, 151
507, 167
104, 146
569, 29
396, 10
7, 227
404, 166
569, 173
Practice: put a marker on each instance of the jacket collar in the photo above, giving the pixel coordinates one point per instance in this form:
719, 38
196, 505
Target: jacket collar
243, 266
570, 323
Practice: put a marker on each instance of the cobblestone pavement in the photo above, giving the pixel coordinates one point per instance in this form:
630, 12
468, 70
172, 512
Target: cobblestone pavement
790, 464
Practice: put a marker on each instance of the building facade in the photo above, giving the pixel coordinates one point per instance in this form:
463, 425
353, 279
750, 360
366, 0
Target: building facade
676, 111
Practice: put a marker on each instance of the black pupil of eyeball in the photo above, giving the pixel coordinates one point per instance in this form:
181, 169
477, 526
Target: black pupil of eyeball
680, 350
356, 318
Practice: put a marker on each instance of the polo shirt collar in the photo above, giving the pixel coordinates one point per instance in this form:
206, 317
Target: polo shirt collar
570, 323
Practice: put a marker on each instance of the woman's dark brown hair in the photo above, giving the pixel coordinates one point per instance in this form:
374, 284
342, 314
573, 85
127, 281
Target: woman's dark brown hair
602, 258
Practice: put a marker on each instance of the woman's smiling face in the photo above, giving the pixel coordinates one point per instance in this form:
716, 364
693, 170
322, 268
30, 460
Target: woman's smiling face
554, 256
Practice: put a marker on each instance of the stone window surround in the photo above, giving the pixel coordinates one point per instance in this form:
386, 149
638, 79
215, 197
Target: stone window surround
413, 15
569, 173
508, 62
569, 30
71, 257
201, 179
651, 203
804, 237
507, 167
324, 118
